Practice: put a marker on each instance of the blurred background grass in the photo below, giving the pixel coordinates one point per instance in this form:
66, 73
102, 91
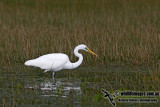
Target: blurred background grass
119, 31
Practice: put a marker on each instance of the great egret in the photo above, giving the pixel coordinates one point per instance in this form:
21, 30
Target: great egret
58, 61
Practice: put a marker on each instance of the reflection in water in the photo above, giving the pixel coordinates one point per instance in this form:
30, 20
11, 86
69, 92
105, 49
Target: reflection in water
60, 87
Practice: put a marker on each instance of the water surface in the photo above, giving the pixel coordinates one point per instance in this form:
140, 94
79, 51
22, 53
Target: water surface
20, 85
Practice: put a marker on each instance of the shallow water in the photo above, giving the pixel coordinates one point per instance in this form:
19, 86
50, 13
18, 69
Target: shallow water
20, 85
50, 87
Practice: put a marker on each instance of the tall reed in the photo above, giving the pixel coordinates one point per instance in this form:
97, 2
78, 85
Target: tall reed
118, 31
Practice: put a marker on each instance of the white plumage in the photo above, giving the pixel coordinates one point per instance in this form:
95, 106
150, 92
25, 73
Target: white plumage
57, 61
48, 62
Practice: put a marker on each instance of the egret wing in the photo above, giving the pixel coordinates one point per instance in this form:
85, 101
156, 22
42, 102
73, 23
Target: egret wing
51, 61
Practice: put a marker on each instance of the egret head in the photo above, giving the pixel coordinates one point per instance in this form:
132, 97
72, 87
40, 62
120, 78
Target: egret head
84, 47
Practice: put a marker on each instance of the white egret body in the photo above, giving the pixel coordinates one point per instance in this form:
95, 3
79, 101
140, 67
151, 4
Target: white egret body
58, 61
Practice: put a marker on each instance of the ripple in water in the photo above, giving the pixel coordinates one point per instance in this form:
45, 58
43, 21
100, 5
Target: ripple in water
59, 88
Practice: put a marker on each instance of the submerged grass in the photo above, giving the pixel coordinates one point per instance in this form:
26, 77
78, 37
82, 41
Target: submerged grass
125, 35
15, 79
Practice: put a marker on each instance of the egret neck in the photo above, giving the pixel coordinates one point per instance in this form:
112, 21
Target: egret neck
70, 65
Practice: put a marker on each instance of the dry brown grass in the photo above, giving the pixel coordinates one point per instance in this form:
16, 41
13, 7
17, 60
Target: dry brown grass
119, 32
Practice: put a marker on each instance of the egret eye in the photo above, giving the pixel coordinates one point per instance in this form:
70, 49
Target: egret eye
86, 48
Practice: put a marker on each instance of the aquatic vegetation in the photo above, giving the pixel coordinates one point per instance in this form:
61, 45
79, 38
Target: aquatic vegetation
119, 32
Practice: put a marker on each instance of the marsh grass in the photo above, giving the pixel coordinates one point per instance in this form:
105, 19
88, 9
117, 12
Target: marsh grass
125, 35
119, 32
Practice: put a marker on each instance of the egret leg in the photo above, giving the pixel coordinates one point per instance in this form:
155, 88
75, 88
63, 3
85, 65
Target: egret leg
53, 78
53, 75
